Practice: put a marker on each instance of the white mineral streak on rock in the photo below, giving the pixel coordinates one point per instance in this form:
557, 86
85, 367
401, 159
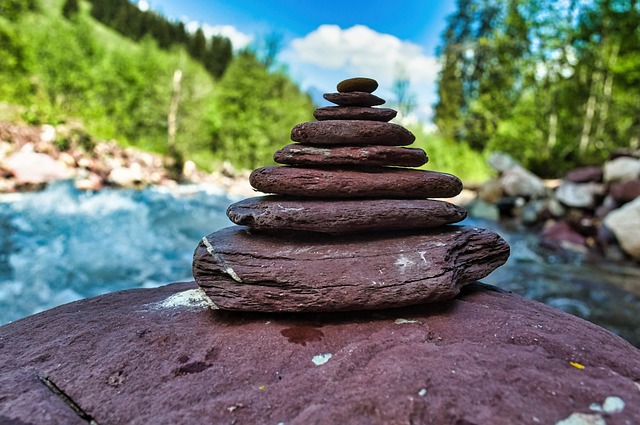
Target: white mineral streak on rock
403, 321
193, 298
613, 404
582, 419
403, 261
286, 209
321, 359
220, 260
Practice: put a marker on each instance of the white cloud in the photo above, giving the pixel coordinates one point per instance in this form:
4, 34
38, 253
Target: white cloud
325, 56
238, 39
143, 5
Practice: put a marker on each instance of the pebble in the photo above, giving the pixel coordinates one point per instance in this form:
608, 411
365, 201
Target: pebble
362, 84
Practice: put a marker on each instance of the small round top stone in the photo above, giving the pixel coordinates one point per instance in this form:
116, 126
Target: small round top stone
367, 85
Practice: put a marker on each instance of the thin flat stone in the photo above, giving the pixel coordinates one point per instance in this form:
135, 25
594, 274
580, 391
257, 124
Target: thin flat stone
297, 154
343, 216
299, 271
370, 182
364, 84
351, 132
354, 98
354, 113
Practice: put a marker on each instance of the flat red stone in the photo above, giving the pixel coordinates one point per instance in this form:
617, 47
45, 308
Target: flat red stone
343, 216
371, 182
282, 271
354, 113
351, 132
297, 154
354, 98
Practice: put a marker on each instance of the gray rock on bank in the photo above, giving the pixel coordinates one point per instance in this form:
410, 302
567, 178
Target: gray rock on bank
161, 356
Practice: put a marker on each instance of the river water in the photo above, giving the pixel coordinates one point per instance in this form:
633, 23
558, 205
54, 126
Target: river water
61, 245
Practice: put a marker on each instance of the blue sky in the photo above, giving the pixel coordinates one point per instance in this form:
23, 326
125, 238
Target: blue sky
327, 41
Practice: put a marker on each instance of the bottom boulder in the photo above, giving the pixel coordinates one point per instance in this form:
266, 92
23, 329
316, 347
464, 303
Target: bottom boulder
163, 356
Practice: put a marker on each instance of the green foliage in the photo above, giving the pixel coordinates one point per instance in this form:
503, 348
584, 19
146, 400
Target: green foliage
552, 84
70, 8
254, 111
128, 20
451, 157
14, 9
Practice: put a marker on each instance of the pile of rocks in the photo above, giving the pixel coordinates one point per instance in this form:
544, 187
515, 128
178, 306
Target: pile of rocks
593, 209
347, 225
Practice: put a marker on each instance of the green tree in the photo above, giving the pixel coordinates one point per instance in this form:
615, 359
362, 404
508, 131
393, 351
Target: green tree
70, 8
254, 111
198, 46
219, 54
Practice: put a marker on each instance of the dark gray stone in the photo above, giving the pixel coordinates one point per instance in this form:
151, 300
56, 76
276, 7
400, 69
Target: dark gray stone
373, 182
364, 84
143, 357
343, 216
351, 132
354, 113
240, 269
297, 154
355, 98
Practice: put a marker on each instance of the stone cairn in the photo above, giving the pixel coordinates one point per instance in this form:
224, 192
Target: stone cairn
346, 225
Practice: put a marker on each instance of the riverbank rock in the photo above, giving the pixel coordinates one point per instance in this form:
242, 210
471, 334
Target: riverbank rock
163, 356
625, 224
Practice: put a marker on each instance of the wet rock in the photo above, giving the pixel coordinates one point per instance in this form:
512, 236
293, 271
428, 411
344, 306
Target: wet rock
315, 272
517, 181
354, 113
626, 191
355, 183
296, 154
587, 174
562, 235
491, 191
127, 176
354, 99
343, 216
35, 168
161, 356
579, 195
622, 169
351, 132
625, 224
363, 84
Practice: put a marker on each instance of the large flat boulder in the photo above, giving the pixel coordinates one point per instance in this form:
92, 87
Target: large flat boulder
162, 356
240, 269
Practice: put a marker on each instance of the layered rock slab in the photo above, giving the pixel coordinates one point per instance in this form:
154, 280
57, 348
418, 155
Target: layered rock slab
372, 156
486, 357
354, 113
356, 98
362, 182
343, 216
240, 269
351, 132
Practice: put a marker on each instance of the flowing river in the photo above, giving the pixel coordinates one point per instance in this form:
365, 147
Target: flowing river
61, 245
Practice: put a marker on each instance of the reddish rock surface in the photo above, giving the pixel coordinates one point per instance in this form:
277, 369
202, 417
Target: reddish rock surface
378, 182
240, 269
364, 84
483, 358
351, 132
354, 113
372, 156
356, 98
343, 216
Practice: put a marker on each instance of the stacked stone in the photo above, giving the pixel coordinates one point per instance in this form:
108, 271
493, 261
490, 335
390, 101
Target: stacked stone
346, 225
